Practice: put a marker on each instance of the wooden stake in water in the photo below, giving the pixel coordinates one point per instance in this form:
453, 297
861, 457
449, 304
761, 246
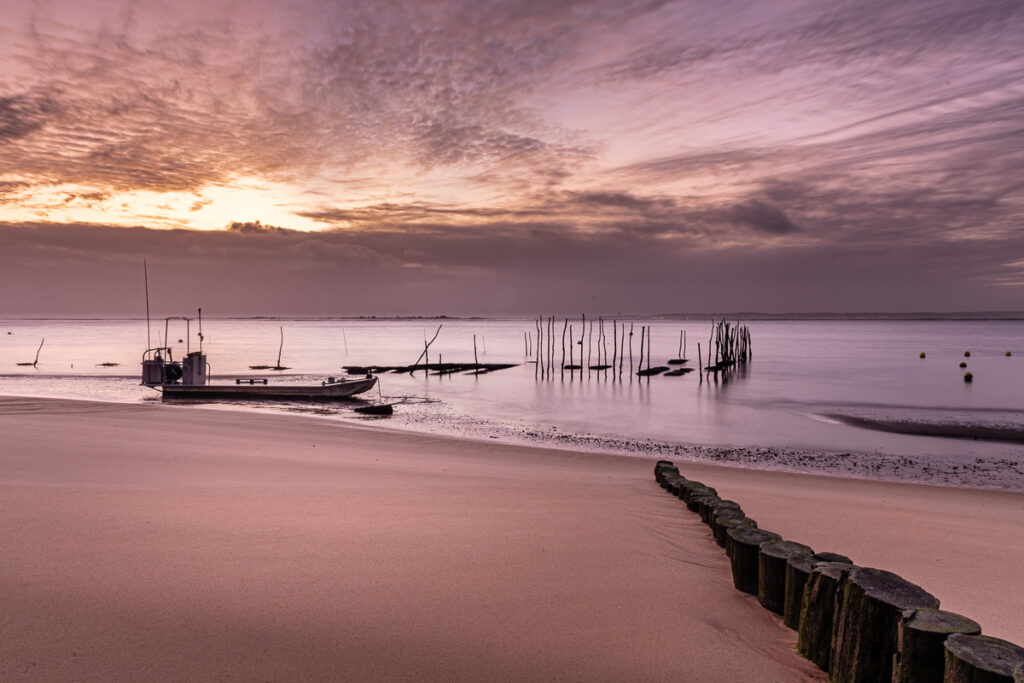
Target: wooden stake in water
643, 331
700, 365
280, 348
622, 348
630, 345
571, 363
615, 343
590, 338
564, 328
649, 335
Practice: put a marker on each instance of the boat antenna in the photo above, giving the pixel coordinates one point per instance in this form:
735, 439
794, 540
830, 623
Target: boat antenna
200, 330
145, 270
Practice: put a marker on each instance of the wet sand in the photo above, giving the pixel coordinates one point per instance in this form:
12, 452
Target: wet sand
171, 543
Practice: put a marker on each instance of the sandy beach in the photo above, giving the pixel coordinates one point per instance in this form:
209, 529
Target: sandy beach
153, 542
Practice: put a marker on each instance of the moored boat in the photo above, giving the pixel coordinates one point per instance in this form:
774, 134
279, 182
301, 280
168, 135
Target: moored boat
190, 378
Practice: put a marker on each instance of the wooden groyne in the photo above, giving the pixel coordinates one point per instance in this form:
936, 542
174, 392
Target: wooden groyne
859, 624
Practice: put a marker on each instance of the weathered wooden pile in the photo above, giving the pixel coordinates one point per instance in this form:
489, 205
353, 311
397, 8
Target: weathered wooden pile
431, 368
856, 623
731, 343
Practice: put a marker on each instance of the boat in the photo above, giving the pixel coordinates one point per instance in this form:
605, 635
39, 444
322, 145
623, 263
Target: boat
190, 378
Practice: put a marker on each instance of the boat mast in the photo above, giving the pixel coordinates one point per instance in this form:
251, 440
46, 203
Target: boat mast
145, 271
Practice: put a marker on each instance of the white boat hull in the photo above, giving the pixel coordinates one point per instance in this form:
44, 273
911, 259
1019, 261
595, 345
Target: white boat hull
325, 392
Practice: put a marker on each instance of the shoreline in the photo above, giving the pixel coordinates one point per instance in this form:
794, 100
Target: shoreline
981, 472
263, 545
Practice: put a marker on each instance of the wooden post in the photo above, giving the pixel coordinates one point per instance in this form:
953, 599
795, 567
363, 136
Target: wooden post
564, 328
698, 498
744, 547
711, 341
622, 348
724, 523
615, 344
630, 346
590, 339
571, 363
36, 361
551, 345
920, 655
604, 342
798, 570
643, 331
981, 659
583, 335
539, 367
476, 361
700, 365
817, 614
649, 347
771, 573
864, 639
716, 507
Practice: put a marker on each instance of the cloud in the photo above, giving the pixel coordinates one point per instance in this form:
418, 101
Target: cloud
256, 227
24, 114
763, 218
450, 138
497, 268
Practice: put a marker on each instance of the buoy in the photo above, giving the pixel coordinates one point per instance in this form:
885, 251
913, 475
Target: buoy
968, 377
1008, 353
922, 354
967, 354
963, 364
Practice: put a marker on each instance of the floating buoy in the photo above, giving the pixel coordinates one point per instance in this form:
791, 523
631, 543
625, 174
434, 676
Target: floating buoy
968, 377
967, 354
922, 354
1008, 353
963, 364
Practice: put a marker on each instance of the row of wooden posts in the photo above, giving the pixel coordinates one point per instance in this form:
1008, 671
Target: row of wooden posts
856, 623
730, 343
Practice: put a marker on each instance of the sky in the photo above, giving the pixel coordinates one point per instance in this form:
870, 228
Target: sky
489, 158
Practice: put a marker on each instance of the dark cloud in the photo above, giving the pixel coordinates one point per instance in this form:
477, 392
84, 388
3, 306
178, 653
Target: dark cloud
24, 114
491, 269
763, 218
256, 227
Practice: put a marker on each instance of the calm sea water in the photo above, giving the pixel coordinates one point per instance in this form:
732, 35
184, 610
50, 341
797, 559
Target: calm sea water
782, 410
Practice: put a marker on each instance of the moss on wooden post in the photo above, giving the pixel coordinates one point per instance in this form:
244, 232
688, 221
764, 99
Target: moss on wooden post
744, 546
919, 643
981, 659
870, 609
817, 611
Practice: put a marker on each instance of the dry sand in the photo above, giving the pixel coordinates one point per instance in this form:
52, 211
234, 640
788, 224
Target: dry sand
153, 542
